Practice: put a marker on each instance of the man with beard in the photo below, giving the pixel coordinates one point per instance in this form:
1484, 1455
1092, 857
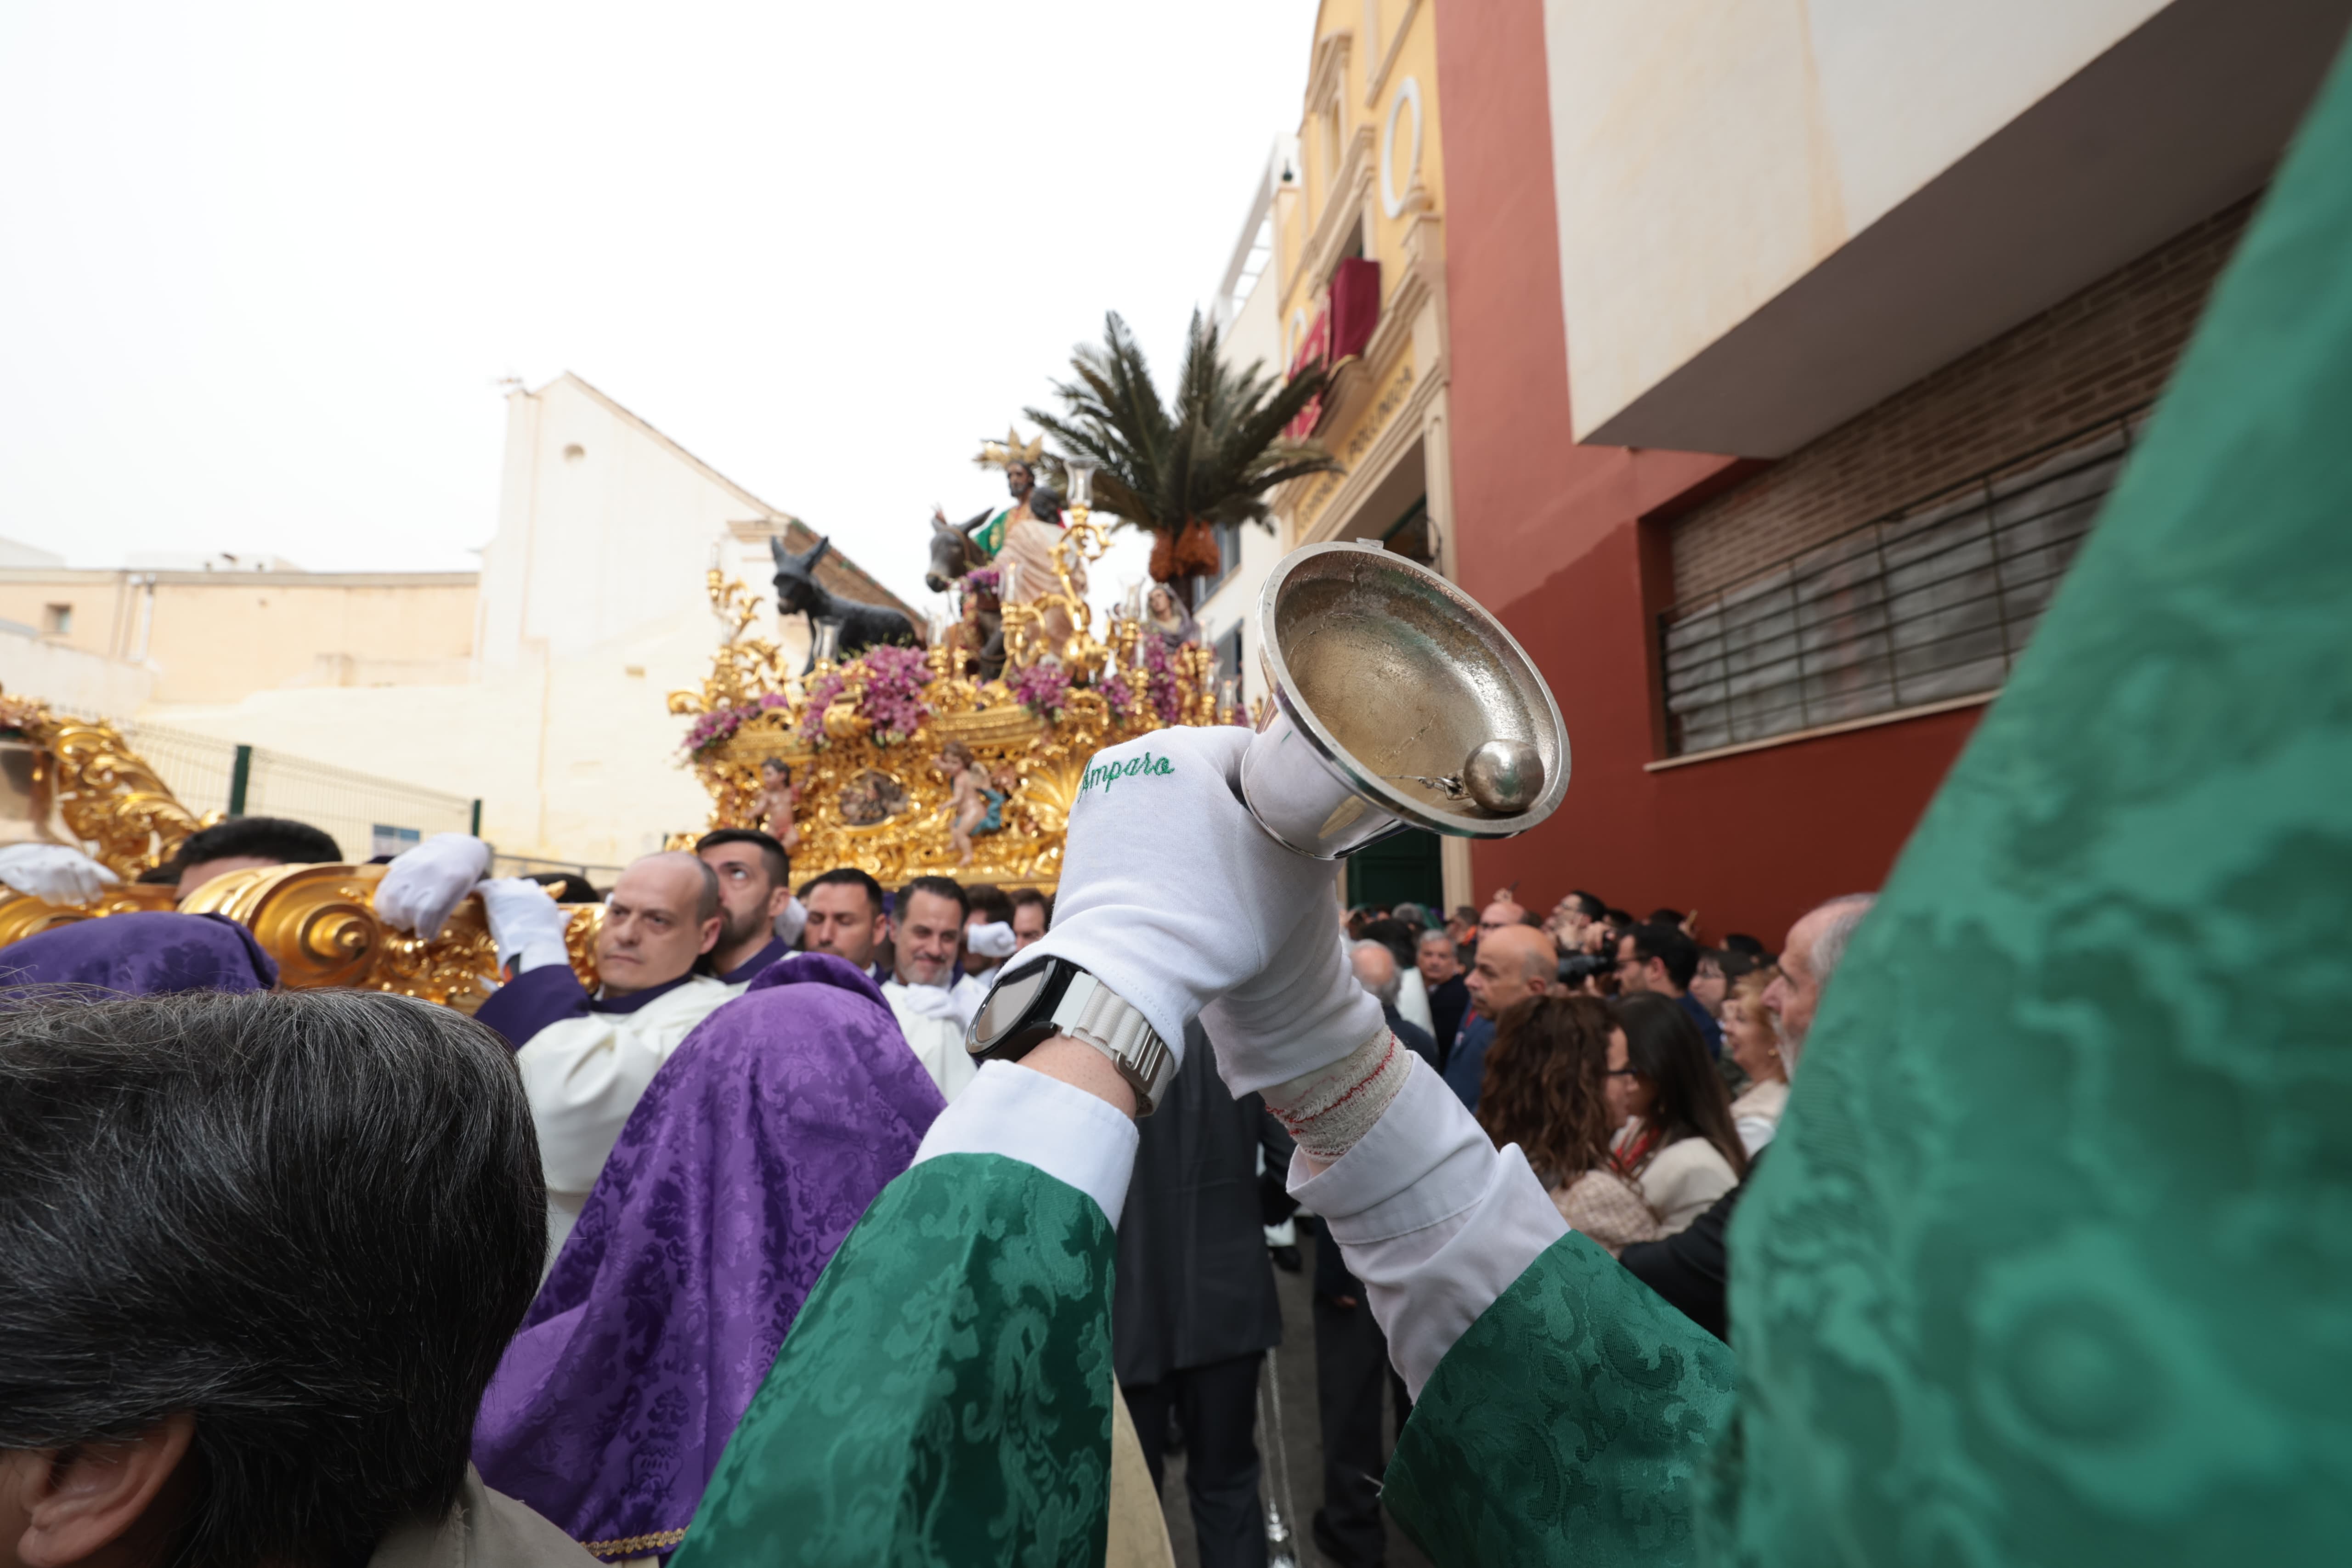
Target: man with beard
759, 917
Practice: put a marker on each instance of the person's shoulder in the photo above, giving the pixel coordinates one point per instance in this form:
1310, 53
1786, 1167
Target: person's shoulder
1686, 1163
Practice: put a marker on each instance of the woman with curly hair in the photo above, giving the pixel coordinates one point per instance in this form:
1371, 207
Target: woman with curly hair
1546, 1090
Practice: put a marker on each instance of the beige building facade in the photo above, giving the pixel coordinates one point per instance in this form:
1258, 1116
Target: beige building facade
539, 686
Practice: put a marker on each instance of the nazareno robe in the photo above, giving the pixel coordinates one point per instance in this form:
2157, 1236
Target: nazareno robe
2047, 1265
149, 952
755, 1148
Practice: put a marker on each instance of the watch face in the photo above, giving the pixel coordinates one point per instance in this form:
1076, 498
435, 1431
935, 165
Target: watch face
1012, 997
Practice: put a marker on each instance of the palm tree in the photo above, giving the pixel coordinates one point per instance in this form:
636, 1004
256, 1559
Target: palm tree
1209, 457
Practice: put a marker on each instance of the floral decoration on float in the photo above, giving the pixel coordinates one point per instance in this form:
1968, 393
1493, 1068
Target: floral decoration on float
905, 762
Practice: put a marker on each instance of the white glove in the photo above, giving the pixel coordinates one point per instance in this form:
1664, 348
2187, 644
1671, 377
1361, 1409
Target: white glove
423, 884
994, 940
791, 921
54, 873
526, 922
1173, 896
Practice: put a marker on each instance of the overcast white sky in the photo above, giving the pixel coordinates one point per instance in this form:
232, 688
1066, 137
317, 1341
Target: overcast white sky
263, 264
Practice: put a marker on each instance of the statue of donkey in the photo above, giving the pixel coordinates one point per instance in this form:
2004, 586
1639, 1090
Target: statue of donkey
956, 554
861, 625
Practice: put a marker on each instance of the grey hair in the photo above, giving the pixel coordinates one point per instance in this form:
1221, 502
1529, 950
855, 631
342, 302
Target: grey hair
1394, 986
1829, 948
311, 1218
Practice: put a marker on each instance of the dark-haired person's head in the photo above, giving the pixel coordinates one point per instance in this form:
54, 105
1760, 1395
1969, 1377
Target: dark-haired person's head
1657, 958
928, 930
1393, 934
263, 1254
755, 884
1032, 917
987, 903
848, 915
1547, 1085
567, 887
1661, 1076
662, 915
1740, 942
245, 843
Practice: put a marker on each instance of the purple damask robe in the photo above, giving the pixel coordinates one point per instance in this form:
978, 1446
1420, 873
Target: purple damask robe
147, 953
755, 1148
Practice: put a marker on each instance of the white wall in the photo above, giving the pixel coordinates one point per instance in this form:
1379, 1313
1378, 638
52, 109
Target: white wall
593, 609
1707, 153
70, 679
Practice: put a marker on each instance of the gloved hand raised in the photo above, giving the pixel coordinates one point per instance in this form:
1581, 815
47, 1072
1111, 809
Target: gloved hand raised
54, 873
423, 884
527, 925
1174, 897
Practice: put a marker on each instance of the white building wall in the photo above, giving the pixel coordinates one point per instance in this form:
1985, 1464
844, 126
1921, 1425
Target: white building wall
593, 609
70, 679
1707, 153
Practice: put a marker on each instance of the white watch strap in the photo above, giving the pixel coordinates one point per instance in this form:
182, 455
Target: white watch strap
1093, 1012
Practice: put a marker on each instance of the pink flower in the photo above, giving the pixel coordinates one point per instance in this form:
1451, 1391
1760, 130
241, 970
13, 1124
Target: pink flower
892, 700
1041, 688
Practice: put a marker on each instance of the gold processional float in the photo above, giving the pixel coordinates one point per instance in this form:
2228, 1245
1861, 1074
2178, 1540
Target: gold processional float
900, 762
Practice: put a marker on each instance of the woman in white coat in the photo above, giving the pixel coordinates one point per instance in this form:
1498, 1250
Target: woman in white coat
1675, 1135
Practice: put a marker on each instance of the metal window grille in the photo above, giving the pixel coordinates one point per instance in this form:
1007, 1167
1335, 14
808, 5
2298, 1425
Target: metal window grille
1932, 602
360, 811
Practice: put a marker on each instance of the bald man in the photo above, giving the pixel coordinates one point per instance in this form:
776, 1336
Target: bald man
1515, 963
586, 1060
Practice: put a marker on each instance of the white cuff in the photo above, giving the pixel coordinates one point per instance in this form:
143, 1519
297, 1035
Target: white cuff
1432, 1220
1074, 1137
539, 952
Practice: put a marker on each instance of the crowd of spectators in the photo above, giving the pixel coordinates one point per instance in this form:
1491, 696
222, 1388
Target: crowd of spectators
1641, 1073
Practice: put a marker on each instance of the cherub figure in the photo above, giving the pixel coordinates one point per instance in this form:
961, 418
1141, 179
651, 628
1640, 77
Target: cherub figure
974, 805
780, 798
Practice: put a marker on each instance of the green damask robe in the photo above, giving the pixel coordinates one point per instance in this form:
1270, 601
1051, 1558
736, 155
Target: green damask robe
2053, 1260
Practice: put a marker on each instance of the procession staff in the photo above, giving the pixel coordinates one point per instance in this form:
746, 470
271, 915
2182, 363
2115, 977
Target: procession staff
1989, 1303
586, 1058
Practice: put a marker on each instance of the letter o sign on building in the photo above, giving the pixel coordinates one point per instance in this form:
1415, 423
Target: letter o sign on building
1391, 199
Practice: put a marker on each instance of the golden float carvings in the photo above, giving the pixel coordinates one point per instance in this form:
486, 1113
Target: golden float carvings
318, 922
1061, 699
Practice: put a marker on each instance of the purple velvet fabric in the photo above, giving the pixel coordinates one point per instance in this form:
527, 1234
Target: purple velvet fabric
143, 954
755, 1148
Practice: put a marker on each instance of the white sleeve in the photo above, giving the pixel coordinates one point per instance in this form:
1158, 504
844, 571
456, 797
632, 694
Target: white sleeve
1432, 1220
583, 1076
1076, 1138
1412, 1002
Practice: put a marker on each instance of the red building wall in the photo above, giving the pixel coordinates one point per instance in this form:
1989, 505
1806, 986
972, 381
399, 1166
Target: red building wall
1552, 537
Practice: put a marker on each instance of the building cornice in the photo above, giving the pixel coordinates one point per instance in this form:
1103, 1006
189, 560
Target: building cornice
74, 575
1375, 82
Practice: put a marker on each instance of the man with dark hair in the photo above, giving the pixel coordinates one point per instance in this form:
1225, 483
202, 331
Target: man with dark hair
849, 916
1032, 917
987, 940
64, 875
1660, 958
932, 1014
759, 918
264, 1252
587, 1058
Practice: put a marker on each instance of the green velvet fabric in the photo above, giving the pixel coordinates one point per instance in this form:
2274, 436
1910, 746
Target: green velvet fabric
2051, 1263
1566, 1426
944, 1398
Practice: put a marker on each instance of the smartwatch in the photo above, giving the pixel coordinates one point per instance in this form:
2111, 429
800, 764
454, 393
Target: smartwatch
1023, 1010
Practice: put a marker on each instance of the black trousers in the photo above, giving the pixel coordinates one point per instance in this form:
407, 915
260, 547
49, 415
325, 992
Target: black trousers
1217, 1407
1351, 1371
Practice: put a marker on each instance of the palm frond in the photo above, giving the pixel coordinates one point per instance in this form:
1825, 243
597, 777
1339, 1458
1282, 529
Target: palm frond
1211, 452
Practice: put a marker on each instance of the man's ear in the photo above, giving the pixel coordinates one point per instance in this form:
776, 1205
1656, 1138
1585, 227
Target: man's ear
777, 898
710, 929
86, 1499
